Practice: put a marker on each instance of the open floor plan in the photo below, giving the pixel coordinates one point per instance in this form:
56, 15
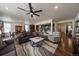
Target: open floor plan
39, 29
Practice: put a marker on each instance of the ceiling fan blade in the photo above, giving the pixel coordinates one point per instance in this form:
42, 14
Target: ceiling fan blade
30, 6
38, 11
22, 9
36, 14
27, 13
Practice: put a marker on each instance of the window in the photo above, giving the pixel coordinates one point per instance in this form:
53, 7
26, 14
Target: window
7, 27
0, 32
26, 28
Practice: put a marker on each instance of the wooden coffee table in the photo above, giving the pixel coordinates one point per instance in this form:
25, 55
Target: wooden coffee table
36, 41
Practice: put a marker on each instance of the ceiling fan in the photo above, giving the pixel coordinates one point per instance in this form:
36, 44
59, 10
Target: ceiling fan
31, 11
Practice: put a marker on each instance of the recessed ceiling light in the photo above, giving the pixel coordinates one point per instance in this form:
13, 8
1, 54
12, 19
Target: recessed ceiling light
6, 8
56, 7
31, 13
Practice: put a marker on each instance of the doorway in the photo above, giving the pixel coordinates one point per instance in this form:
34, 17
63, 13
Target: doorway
18, 29
65, 28
69, 29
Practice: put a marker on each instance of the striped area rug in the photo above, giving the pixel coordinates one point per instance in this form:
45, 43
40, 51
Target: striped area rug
47, 49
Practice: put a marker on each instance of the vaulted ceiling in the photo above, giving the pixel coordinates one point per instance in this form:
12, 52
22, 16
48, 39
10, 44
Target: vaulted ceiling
64, 11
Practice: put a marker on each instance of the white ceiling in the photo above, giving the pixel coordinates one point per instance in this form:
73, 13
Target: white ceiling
64, 11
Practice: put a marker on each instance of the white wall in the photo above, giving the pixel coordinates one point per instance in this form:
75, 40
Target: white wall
13, 21
67, 21
13, 26
44, 22
77, 17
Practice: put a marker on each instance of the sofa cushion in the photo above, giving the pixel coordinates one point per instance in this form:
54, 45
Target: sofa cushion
23, 40
53, 39
50, 38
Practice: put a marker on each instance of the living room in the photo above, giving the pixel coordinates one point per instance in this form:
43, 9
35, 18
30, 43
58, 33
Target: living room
45, 28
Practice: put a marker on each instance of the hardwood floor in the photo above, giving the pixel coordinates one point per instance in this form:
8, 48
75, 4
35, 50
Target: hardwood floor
65, 47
